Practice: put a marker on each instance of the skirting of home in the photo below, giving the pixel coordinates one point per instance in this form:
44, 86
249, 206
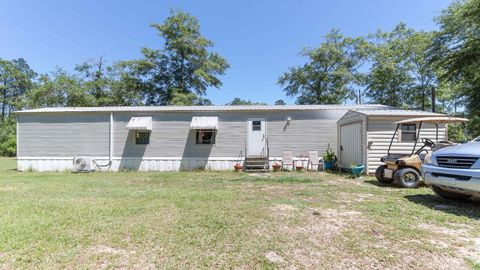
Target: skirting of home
42, 164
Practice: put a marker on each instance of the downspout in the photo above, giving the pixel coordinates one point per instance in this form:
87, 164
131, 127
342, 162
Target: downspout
17, 140
110, 147
110, 156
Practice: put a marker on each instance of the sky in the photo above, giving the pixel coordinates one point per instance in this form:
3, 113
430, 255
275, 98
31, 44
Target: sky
260, 39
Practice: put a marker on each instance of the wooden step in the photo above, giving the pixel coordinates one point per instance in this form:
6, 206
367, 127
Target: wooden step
257, 164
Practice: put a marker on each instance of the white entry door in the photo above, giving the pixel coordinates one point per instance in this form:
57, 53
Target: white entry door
257, 136
350, 144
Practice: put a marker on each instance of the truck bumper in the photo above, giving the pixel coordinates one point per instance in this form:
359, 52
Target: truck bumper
464, 179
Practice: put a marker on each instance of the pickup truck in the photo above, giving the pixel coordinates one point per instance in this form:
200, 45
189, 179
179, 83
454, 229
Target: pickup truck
454, 172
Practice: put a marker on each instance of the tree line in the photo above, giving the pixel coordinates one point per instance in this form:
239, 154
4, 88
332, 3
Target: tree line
434, 71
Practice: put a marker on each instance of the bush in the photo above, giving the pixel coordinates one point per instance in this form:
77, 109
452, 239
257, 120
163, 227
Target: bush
456, 133
8, 138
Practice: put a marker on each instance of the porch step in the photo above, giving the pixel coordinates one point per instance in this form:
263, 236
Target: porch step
257, 164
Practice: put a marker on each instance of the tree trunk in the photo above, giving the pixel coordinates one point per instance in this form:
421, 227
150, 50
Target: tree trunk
4, 103
433, 99
423, 99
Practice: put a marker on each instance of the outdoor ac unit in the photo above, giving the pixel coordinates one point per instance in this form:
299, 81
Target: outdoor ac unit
83, 164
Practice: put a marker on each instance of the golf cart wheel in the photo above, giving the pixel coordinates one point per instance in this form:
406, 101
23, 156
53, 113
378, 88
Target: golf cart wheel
407, 177
379, 174
450, 194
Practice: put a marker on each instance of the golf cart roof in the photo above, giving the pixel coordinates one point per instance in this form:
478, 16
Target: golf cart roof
433, 120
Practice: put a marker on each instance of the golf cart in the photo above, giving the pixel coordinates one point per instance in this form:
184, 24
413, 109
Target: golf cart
404, 169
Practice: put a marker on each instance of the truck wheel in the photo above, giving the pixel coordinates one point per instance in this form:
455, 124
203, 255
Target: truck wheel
407, 177
380, 172
450, 194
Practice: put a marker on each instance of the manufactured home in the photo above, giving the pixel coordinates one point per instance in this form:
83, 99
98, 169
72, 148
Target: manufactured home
173, 138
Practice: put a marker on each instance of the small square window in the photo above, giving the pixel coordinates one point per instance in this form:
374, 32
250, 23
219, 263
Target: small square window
256, 125
206, 136
142, 137
409, 132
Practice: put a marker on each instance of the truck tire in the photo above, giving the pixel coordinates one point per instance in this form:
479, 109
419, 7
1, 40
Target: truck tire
380, 172
450, 194
407, 177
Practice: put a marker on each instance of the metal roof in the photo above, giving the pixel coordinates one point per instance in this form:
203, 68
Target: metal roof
394, 112
433, 120
204, 108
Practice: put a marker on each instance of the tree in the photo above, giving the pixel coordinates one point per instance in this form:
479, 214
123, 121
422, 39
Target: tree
456, 50
96, 81
280, 102
239, 101
16, 78
329, 74
401, 74
184, 64
389, 80
424, 75
60, 89
126, 88
187, 99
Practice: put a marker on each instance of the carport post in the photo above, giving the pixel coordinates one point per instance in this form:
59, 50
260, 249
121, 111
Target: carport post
418, 136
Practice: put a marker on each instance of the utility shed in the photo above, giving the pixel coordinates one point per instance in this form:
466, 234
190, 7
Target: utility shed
364, 135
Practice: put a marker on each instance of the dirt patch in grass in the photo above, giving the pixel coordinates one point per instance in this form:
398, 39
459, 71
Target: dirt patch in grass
7, 188
283, 210
311, 235
107, 257
346, 239
274, 257
109, 250
456, 238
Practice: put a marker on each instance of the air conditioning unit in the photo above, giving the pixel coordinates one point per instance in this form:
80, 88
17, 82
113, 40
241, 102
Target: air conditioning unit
82, 164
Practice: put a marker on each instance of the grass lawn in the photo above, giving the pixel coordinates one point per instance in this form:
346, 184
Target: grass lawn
204, 220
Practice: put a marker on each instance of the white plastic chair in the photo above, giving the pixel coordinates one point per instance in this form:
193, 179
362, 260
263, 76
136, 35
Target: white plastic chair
287, 159
314, 161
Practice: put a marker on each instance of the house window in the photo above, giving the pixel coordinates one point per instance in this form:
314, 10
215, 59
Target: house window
205, 136
142, 137
256, 125
409, 132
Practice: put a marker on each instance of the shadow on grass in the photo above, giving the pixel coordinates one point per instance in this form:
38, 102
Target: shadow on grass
468, 208
390, 185
379, 184
280, 179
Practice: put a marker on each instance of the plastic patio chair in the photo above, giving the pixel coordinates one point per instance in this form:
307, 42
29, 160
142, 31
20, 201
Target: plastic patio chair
314, 161
287, 159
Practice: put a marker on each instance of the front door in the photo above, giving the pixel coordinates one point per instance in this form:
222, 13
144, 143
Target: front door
256, 137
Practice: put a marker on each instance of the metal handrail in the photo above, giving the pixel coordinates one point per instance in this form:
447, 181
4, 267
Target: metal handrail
268, 149
245, 148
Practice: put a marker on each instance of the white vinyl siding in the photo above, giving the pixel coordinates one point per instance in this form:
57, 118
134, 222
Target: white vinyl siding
43, 136
63, 134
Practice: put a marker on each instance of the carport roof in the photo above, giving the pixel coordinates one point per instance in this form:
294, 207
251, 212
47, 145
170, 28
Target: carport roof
394, 112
